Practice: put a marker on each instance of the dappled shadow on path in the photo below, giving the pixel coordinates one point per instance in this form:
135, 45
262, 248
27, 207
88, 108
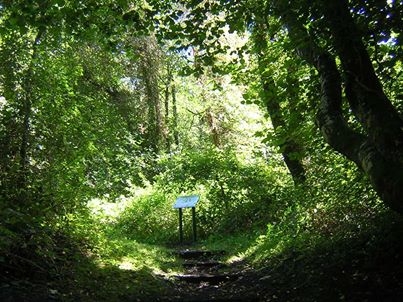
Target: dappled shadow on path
368, 267
207, 278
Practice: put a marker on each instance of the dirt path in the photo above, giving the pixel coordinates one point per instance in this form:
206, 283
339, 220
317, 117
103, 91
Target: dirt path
352, 272
206, 278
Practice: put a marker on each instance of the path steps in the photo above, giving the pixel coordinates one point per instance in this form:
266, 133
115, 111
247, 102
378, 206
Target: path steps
204, 266
210, 278
199, 254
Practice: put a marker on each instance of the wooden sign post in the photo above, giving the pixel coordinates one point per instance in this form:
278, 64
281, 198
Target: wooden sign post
186, 202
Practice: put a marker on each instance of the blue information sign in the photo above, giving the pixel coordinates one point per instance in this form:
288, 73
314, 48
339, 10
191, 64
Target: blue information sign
186, 201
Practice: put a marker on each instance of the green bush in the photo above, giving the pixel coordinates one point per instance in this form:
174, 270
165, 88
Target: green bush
150, 218
234, 194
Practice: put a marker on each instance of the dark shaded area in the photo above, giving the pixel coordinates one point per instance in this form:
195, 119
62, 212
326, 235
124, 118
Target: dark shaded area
359, 267
366, 267
73, 273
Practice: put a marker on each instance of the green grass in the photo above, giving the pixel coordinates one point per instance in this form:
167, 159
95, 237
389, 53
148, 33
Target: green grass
132, 243
110, 265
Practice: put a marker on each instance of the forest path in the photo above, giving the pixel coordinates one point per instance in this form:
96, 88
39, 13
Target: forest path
353, 270
206, 277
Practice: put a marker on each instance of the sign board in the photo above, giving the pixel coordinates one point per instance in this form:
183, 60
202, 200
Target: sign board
186, 201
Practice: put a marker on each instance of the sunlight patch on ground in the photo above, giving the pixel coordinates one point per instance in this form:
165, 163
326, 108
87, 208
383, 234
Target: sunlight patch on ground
126, 265
236, 258
130, 255
132, 264
264, 247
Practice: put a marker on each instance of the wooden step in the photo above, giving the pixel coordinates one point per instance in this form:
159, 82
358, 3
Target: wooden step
202, 264
212, 279
195, 254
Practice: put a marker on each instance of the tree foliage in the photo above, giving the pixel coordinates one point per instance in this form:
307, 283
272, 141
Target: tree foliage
101, 99
318, 36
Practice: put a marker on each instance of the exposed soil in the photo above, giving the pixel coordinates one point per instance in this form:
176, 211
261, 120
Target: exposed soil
364, 272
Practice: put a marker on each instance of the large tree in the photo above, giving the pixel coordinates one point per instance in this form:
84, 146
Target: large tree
377, 146
272, 98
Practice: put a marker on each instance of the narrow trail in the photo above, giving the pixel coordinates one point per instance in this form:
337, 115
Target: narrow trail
351, 272
206, 277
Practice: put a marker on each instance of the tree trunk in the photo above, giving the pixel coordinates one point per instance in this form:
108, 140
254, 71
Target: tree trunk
364, 91
150, 69
289, 147
25, 113
377, 152
382, 155
175, 115
213, 126
166, 102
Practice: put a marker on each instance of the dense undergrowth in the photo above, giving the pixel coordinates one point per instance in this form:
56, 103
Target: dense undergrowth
110, 110
121, 250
